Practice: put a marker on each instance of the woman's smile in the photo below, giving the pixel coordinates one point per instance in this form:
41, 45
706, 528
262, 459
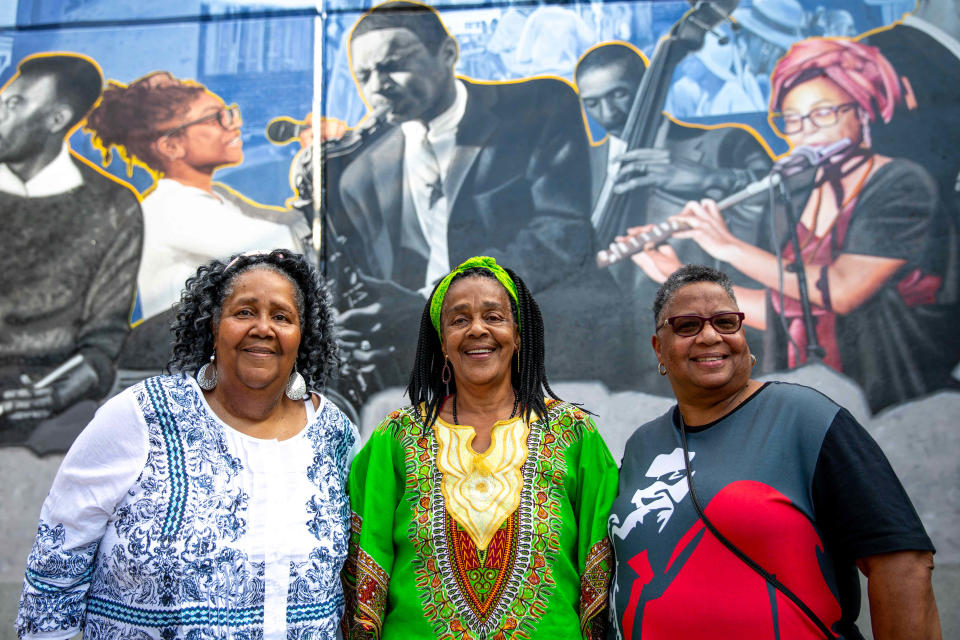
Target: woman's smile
710, 360
479, 332
259, 351
480, 353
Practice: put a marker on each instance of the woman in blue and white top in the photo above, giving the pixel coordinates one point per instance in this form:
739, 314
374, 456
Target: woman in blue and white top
209, 506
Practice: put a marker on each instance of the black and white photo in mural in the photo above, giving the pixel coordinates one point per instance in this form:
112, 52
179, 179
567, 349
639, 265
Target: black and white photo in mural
121, 170
70, 251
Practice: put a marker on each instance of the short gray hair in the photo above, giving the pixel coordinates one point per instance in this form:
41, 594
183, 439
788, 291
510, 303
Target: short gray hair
689, 274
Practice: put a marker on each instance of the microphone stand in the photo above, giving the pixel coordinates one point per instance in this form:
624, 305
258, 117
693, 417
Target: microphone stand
815, 352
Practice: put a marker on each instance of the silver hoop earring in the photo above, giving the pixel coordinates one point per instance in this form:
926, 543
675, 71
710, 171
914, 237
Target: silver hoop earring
753, 360
296, 386
207, 376
662, 369
865, 130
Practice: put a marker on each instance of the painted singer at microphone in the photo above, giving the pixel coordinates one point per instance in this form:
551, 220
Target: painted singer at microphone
877, 248
183, 134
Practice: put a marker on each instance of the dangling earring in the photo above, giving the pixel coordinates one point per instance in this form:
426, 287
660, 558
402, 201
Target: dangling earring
207, 376
518, 359
865, 130
296, 386
753, 360
662, 369
446, 374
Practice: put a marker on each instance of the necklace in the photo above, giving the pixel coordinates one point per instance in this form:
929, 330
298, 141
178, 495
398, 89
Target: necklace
516, 403
843, 205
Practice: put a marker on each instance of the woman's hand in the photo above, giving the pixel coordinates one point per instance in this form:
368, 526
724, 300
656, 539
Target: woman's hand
708, 229
658, 262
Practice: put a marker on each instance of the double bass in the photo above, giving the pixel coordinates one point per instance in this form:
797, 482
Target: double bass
651, 205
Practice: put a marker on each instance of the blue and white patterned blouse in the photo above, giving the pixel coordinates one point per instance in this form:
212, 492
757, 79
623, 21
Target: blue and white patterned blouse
164, 522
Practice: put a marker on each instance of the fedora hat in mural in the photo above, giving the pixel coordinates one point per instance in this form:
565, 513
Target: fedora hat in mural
778, 21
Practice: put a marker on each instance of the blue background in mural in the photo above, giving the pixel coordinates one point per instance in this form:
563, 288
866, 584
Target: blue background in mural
261, 55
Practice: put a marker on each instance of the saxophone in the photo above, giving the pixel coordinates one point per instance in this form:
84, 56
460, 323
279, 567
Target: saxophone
356, 381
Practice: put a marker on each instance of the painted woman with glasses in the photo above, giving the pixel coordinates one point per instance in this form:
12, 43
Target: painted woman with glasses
182, 133
746, 509
878, 250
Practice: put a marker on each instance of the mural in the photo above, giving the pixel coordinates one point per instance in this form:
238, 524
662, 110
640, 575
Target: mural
566, 140
110, 135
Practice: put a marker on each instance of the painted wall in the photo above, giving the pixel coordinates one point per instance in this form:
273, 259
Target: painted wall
527, 192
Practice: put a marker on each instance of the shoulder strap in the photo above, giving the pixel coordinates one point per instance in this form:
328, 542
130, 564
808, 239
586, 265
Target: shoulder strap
747, 560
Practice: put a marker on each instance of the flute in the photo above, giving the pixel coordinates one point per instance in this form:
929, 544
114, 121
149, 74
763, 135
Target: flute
661, 231
802, 159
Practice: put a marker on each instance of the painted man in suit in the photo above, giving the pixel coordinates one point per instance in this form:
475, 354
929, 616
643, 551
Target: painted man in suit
466, 169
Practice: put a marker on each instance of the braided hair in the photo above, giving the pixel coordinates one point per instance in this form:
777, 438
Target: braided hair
202, 301
530, 385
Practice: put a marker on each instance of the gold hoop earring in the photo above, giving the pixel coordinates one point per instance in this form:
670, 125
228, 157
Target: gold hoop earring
753, 360
446, 374
662, 369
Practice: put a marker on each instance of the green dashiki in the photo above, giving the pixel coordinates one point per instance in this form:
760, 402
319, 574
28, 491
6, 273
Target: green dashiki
510, 543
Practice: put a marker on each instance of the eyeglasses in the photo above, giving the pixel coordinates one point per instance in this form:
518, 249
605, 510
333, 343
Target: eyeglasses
821, 117
689, 326
225, 117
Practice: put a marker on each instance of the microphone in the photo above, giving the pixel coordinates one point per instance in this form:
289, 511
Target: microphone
284, 130
800, 160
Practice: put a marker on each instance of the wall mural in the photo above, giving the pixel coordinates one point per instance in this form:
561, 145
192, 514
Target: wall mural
136, 144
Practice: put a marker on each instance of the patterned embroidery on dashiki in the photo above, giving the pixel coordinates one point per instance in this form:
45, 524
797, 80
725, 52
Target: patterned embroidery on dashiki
365, 583
481, 490
472, 603
482, 575
594, 587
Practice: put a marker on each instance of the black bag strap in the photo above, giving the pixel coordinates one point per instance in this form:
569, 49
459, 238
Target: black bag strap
747, 560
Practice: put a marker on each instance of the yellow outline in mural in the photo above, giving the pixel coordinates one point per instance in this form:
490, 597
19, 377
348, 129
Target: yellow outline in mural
82, 121
456, 75
76, 126
690, 125
583, 112
132, 160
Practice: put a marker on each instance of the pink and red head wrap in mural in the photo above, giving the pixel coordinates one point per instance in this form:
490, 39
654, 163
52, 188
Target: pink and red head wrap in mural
858, 69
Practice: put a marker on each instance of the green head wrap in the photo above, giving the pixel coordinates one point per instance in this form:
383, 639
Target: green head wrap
483, 262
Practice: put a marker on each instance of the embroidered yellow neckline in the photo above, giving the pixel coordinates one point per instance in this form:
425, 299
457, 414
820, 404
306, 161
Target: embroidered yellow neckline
481, 490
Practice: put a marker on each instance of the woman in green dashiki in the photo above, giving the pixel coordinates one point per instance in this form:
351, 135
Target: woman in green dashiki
480, 511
